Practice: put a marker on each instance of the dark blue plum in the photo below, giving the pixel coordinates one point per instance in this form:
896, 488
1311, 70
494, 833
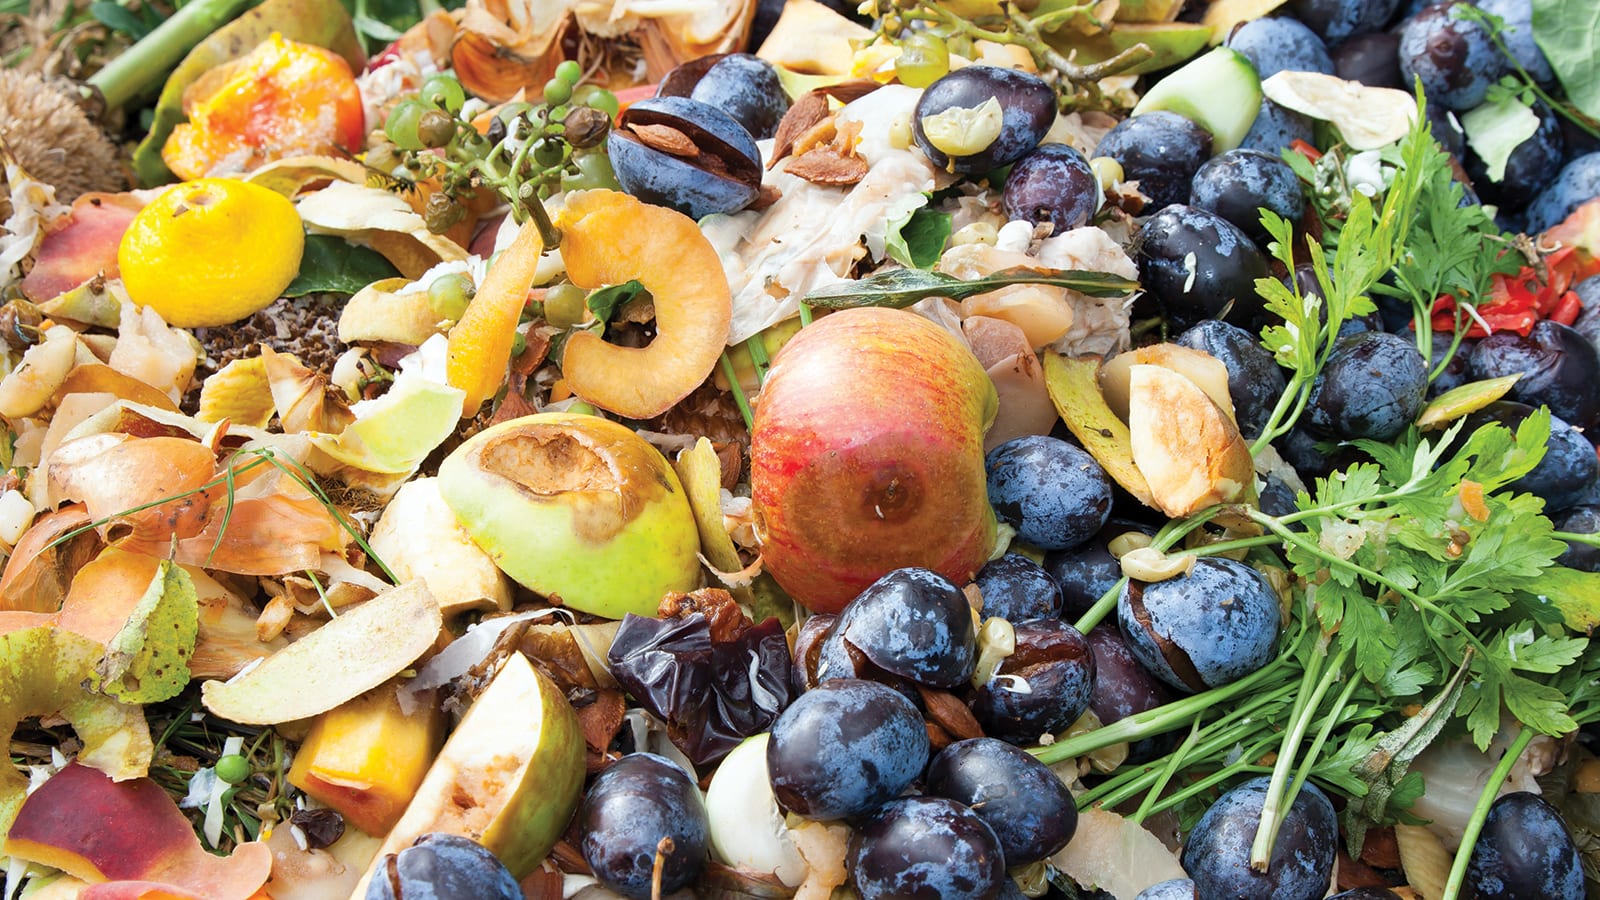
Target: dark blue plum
1568, 471
1084, 573
1580, 520
1373, 386
1217, 852
1525, 853
1255, 380
745, 87
1041, 688
1446, 129
1017, 589
1277, 497
1516, 31
1028, 104
638, 802
1457, 371
1588, 324
1205, 629
1161, 150
679, 183
914, 623
1124, 687
442, 866
1028, 806
1578, 183
1452, 55
1372, 59
925, 848
1054, 493
1052, 184
1275, 128
1198, 265
1339, 20
1559, 368
844, 748
1531, 166
1239, 184
1171, 889
1312, 457
1279, 44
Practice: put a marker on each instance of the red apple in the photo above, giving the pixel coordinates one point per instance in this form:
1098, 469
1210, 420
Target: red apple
867, 456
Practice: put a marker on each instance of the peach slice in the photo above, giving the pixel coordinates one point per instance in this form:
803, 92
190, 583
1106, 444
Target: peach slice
610, 238
128, 831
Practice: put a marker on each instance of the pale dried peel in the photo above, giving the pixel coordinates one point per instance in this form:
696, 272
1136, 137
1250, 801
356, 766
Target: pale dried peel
1184, 444
354, 653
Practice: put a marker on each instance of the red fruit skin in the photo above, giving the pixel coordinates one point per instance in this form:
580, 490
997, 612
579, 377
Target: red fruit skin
867, 456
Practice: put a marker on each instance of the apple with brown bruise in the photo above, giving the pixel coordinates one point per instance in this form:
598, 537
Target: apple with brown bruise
867, 456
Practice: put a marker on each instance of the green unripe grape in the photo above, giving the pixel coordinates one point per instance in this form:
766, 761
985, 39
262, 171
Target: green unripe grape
583, 408
557, 92
549, 152
444, 92
401, 126
924, 58
233, 769
519, 343
593, 171
564, 305
569, 71
449, 295
597, 97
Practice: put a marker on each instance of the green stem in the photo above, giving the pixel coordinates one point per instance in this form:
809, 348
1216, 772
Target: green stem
1502, 770
1175, 761
739, 398
1592, 539
1155, 721
146, 64
1278, 800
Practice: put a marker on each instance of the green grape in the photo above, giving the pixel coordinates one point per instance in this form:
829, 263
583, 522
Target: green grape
557, 92
549, 152
924, 58
233, 769
519, 343
564, 305
401, 126
597, 97
569, 71
449, 295
444, 92
593, 171
582, 408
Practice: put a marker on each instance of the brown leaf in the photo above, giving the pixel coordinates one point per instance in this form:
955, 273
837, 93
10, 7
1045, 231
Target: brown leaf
543, 884
826, 165
806, 112
947, 710
666, 139
600, 720
731, 456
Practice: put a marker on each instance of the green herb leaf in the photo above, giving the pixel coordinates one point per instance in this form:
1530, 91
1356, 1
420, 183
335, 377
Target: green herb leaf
333, 265
1568, 31
605, 301
899, 288
917, 240
119, 18
148, 660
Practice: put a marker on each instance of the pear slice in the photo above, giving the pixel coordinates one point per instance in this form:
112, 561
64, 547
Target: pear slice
1185, 446
509, 777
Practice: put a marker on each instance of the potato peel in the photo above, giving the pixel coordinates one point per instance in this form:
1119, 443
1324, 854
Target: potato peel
348, 656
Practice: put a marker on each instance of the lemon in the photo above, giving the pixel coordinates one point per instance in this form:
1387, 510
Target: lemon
211, 251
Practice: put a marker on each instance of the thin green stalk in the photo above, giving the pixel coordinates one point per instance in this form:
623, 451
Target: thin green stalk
1175, 761
1571, 537
739, 398
1307, 701
1329, 722
146, 64
1502, 770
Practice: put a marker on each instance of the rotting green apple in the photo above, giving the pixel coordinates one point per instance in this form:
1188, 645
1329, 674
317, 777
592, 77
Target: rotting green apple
867, 456
509, 777
577, 506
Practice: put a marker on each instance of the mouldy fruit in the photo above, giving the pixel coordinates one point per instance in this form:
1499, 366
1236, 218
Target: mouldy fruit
576, 506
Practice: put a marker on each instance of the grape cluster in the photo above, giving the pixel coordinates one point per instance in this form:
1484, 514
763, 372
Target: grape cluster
527, 151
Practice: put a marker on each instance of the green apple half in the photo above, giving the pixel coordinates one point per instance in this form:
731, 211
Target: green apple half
577, 506
509, 777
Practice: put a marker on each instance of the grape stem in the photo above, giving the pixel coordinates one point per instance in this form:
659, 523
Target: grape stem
1469, 838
